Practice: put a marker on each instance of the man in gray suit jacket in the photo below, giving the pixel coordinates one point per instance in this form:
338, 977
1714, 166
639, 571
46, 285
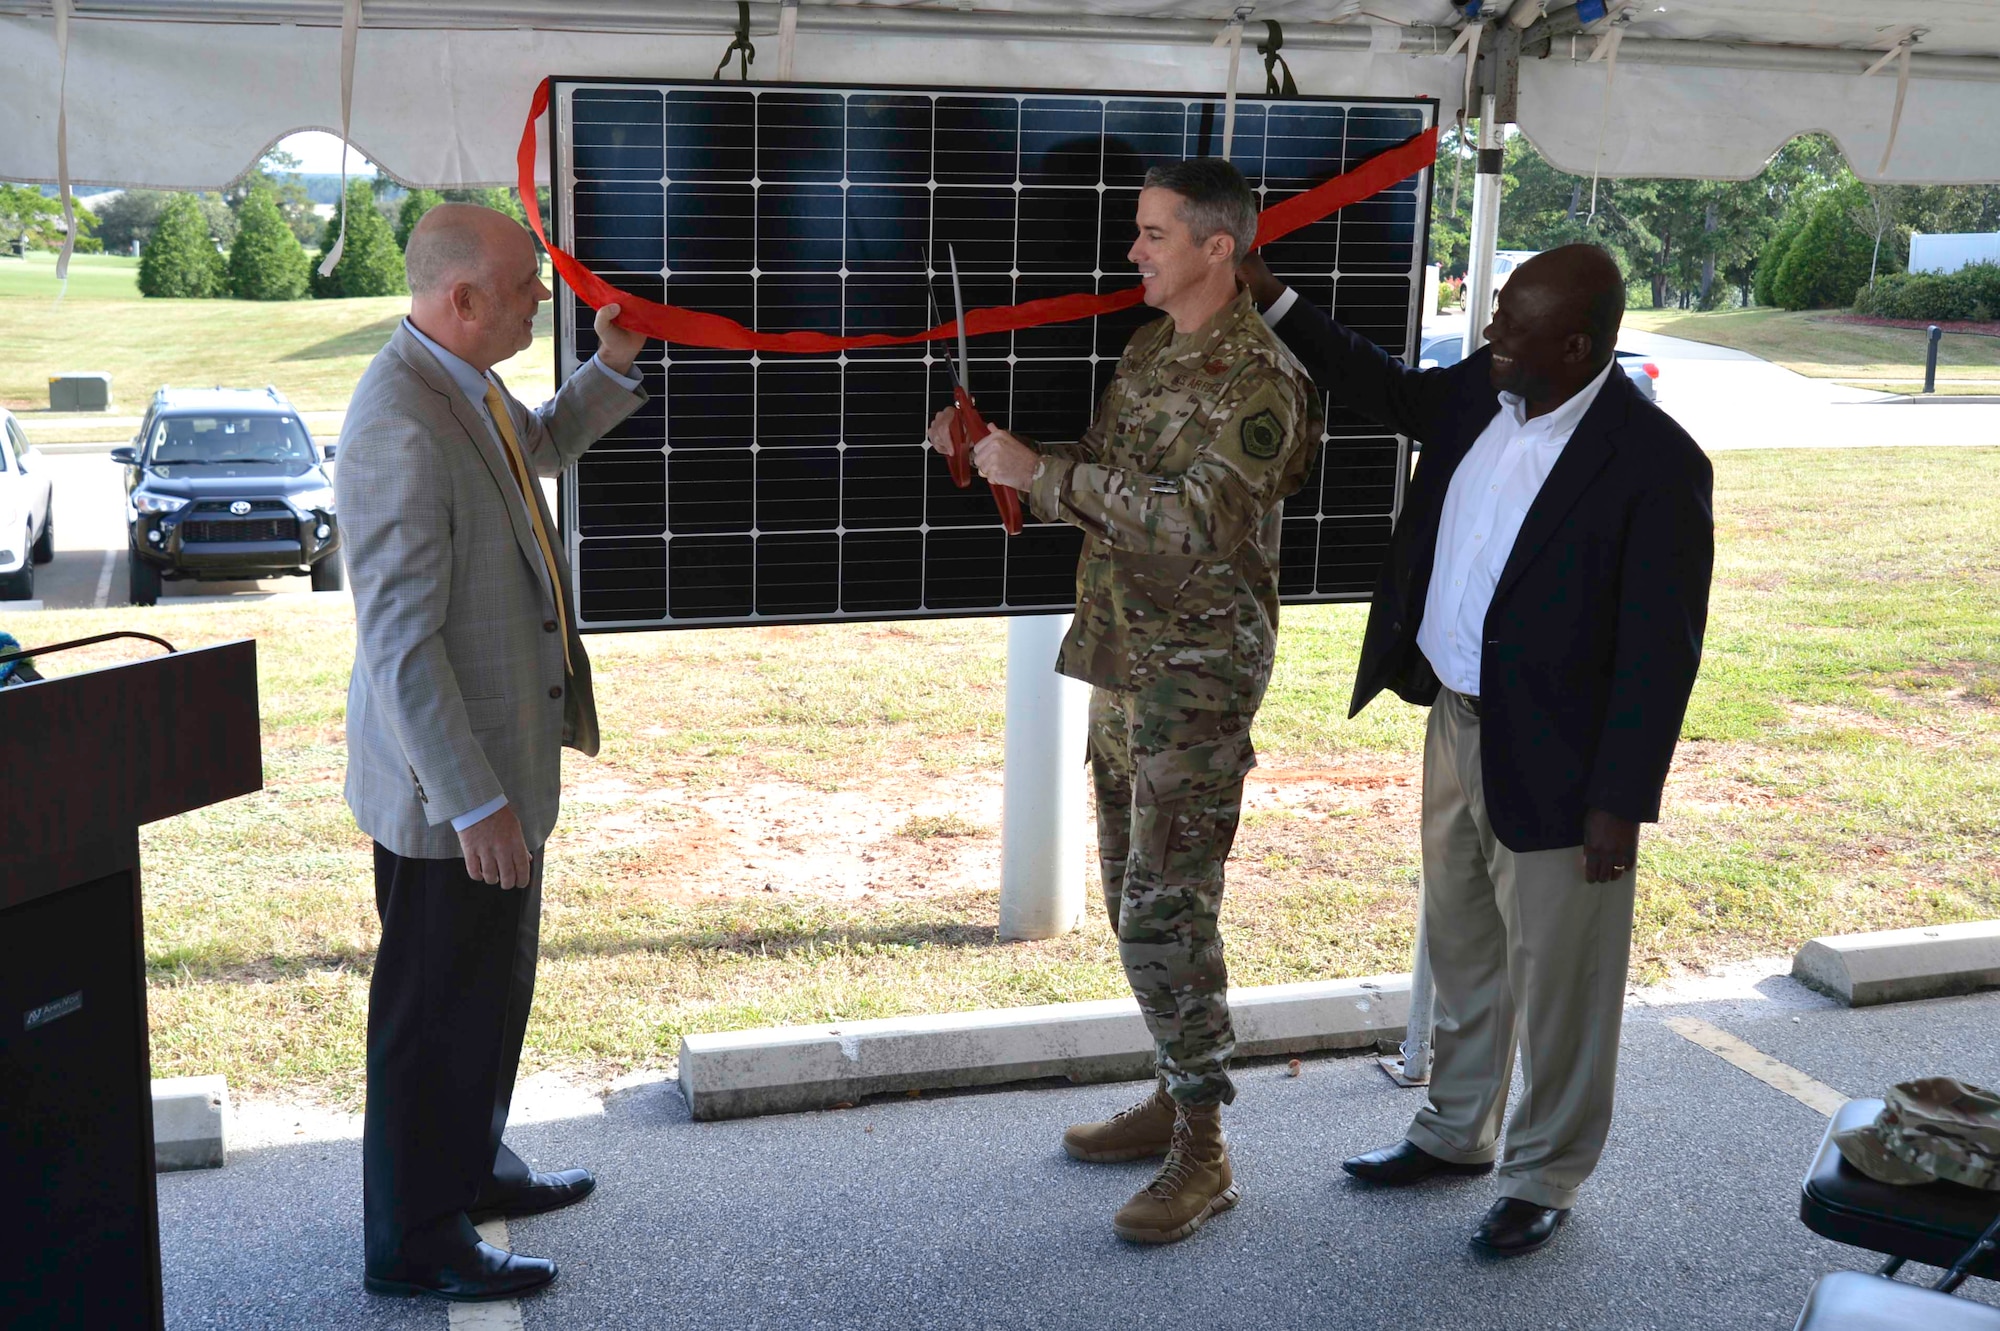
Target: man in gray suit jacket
469, 678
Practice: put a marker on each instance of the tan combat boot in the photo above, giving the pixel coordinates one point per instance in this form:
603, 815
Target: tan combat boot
1147, 1128
1191, 1186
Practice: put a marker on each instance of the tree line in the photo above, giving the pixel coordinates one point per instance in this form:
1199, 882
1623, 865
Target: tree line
1803, 233
251, 242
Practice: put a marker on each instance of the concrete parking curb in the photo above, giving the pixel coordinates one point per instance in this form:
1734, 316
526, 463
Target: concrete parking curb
190, 1123
737, 1074
1896, 965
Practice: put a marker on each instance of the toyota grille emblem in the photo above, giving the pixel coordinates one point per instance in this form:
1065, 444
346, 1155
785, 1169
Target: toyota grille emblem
240, 507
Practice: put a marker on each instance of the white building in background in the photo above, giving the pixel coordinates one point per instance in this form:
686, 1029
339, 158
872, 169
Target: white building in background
1949, 253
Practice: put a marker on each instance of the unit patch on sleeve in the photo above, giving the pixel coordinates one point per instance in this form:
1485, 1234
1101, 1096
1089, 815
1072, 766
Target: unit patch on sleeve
1263, 436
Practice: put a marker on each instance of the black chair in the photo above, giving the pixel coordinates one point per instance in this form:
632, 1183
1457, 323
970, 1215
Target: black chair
1934, 1224
1855, 1301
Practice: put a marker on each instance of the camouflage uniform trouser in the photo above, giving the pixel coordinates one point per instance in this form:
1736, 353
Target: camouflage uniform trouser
1169, 786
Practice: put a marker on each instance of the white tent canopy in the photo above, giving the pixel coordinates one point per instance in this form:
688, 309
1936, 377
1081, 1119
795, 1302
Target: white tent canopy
188, 93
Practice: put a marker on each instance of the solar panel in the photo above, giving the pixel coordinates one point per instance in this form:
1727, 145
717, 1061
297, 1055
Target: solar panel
781, 488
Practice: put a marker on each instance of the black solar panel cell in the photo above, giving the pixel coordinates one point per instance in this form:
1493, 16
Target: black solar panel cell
711, 577
1139, 135
784, 487
977, 140
801, 228
798, 574
888, 139
621, 581
881, 572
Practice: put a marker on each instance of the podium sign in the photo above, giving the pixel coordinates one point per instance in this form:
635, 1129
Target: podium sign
89, 758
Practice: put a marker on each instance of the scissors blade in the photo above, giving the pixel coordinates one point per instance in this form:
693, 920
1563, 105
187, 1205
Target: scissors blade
958, 299
937, 319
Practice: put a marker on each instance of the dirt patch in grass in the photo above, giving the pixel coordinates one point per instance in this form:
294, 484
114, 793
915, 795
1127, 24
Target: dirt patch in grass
1972, 327
1916, 734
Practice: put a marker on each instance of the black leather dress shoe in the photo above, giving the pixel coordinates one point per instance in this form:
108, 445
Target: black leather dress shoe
1513, 1227
474, 1275
542, 1192
1405, 1163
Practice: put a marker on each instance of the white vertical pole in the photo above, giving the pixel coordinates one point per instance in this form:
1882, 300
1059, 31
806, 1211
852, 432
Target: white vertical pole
1485, 229
1042, 864
1423, 1002
1412, 1064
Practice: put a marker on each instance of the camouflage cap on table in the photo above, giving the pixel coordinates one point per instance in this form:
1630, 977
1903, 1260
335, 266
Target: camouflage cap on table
1931, 1129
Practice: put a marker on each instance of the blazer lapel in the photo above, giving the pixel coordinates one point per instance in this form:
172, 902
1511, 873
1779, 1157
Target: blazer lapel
487, 445
1586, 454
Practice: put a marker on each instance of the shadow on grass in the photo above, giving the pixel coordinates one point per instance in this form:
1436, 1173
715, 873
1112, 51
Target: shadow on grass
363, 341
774, 942
778, 941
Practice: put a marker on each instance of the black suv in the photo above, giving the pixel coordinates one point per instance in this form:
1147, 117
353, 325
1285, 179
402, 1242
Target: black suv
224, 483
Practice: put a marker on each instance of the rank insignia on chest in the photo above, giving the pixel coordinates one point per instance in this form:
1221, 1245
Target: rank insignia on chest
1263, 436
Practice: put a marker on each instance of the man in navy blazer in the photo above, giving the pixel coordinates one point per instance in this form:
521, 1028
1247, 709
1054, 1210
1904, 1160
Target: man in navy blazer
1545, 594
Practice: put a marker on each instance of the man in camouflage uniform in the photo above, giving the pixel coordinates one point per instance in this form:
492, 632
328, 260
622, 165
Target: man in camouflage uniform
1177, 485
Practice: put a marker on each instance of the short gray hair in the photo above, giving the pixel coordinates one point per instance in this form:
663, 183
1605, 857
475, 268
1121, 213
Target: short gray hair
1216, 199
448, 244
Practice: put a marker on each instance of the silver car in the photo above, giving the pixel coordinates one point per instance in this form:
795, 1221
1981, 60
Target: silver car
1442, 349
27, 513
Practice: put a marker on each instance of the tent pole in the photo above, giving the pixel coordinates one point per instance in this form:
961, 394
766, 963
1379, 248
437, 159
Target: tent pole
1485, 228
1041, 823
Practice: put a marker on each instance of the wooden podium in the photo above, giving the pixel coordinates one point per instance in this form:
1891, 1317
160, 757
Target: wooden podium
88, 758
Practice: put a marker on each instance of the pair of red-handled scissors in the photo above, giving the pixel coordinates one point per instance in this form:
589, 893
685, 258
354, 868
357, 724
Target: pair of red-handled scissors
968, 427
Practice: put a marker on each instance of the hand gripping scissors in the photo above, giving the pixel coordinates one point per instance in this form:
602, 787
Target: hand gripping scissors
968, 427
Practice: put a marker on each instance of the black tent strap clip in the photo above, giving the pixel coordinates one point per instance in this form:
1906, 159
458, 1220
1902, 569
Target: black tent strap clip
26, 652
1273, 62
740, 46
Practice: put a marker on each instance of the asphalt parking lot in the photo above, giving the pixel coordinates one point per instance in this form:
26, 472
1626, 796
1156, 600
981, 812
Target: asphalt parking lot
962, 1211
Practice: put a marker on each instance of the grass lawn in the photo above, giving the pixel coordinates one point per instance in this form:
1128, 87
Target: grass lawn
313, 350
1818, 345
797, 825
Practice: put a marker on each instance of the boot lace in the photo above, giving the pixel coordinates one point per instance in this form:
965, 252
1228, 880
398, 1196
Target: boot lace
1178, 1167
1135, 1111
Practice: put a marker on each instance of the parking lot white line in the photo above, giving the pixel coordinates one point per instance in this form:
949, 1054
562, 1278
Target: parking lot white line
1779, 1076
104, 580
504, 1315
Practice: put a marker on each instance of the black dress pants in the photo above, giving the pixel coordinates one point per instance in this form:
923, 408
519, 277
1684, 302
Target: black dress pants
447, 1010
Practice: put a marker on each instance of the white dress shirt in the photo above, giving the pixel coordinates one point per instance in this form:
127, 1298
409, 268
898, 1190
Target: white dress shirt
473, 383
1489, 496
1281, 307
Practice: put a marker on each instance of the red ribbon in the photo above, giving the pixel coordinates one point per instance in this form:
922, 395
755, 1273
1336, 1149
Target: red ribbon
693, 328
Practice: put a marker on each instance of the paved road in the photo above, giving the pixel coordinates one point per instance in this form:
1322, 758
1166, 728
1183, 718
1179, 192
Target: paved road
90, 564
1732, 400
962, 1212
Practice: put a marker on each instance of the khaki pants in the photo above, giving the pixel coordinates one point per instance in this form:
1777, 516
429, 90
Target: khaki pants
1524, 951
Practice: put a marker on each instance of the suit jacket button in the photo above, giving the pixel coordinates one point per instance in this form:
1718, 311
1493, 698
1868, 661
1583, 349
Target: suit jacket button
555, 690
548, 626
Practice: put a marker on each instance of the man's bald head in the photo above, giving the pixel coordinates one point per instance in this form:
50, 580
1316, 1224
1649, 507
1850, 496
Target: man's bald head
458, 242
475, 282
1557, 323
1580, 288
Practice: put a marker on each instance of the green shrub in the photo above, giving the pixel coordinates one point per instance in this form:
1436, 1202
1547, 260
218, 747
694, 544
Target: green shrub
180, 258
415, 204
1772, 256
1828, 262
1973, 292
266, 262
372, 263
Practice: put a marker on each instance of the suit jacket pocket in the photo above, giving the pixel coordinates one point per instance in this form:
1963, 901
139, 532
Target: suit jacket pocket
486, 713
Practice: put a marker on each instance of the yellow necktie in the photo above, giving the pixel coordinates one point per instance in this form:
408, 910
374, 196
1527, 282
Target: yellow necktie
504, 423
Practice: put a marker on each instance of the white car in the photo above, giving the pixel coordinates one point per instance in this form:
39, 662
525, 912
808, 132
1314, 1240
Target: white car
27, 512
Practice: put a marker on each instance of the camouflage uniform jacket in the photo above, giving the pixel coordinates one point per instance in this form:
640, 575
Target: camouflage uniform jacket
1178, 485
